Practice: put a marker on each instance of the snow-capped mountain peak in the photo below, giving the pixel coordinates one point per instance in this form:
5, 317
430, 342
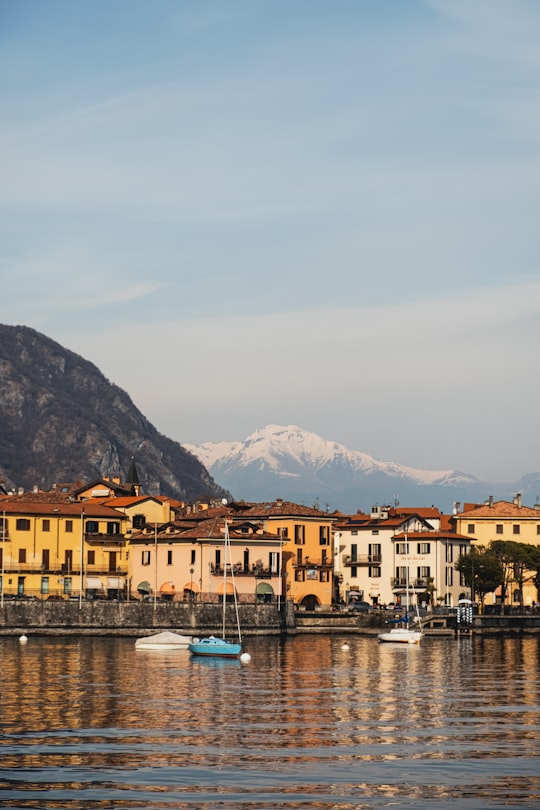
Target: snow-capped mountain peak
287, 461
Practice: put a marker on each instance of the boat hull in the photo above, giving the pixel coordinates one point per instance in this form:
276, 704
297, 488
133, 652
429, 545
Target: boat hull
164, 641
215, 647
401, 635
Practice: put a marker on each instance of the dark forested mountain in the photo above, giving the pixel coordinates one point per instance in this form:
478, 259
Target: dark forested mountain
61, 420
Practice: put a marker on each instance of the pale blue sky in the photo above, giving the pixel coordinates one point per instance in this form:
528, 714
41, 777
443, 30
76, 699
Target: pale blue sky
285, 211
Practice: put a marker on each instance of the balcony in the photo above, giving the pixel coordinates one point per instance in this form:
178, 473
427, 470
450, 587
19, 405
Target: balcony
238, 570
104, 539
362, 559
420, 584
325, 565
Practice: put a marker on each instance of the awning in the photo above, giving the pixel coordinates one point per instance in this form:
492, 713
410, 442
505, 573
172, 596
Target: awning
94, 583
229, 587
115, 583
144, 587
167, 587
264, 587
191, 586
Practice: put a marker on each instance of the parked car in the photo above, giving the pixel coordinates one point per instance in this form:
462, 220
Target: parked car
363, 607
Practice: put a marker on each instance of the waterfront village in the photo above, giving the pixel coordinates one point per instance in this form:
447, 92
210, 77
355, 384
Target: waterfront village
108, 540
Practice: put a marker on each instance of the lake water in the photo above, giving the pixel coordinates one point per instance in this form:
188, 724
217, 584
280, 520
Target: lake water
94, 723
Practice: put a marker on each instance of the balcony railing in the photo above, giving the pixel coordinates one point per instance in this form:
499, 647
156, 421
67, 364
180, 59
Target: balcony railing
257, 571
307, 563
104, 539
413, 583
362, 559
62, 569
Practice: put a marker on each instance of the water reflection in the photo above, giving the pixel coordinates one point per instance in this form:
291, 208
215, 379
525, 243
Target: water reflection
95, 723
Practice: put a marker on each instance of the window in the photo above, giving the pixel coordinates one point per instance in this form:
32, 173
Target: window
22, 555
515, 528
113, 527
449, 576
324, 535
424, 548
4, 527
354, 571
192, 560
324, 576
91, 558
69, 525
45, 559
462, 549
402, 548
23, 525
138, 521
538, 529
274, 562
401, 575
499, 528
46, 526
169, 556
299, 575
374, 551
423, 572
374, 571
470, 528
299, 534
324, 556
354, 532
92, 527
67, 585
449, 551
283, 532
44, 585
374, 531
145, 558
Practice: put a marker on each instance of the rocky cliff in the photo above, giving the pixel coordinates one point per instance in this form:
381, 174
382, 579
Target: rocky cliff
61, 420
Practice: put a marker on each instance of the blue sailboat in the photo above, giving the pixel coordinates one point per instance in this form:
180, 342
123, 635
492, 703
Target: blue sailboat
221, 646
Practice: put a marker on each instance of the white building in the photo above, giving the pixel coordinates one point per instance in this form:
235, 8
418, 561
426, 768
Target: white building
377, 555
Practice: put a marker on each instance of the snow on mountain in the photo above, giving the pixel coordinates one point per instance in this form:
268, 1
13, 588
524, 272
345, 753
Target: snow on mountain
289, 462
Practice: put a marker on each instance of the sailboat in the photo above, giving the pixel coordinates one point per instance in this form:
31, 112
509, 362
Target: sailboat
403, 633
221, 646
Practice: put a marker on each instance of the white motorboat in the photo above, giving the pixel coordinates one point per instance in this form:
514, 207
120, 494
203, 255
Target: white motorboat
164, 641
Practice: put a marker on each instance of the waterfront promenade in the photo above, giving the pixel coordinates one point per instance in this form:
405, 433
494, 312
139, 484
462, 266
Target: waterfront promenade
139, 618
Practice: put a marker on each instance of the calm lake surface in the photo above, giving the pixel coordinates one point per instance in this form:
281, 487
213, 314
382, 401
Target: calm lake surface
94, 723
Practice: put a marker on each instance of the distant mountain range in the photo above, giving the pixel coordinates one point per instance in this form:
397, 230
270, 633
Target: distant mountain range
297, 465
61, 421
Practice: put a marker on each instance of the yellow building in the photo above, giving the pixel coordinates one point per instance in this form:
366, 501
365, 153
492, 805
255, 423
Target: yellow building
306, 535
508, 521
54, 548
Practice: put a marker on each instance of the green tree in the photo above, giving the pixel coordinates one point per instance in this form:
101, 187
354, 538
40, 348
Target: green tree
481, 570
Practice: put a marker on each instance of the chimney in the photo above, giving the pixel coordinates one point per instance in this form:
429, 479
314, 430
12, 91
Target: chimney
491, 500
517, 500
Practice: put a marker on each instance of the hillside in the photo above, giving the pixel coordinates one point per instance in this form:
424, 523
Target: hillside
61, 420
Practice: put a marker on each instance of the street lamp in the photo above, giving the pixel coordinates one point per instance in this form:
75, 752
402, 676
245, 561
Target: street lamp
191, 584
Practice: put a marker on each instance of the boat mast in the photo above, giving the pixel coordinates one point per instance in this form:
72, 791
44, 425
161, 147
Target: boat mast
228, 553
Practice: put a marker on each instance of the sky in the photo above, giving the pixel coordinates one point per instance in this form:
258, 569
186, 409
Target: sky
313, 212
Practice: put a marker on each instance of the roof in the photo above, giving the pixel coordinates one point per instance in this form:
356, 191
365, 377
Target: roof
13, 506
501, 509
285, 509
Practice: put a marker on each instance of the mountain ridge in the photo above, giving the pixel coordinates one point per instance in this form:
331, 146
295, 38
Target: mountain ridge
287, 461
61, 420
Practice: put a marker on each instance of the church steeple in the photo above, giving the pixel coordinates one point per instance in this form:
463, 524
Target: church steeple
133, 478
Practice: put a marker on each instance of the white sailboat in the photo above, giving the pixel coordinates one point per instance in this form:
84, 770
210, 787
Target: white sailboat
221, 646
404, 633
